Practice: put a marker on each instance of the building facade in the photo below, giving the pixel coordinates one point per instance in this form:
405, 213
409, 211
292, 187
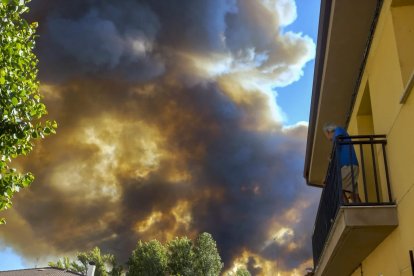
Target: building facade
363, 81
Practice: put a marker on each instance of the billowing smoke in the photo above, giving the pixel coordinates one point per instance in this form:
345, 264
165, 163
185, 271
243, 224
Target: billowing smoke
168, 126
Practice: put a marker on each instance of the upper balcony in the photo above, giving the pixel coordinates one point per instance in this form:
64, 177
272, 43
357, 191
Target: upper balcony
349, 225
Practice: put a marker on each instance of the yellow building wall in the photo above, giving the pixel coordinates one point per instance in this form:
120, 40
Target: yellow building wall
386, 74
403, 18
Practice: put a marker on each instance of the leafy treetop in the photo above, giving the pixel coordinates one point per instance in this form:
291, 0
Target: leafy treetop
21, 107
148, 258
83, 258
242, 272
207, 260
178, 257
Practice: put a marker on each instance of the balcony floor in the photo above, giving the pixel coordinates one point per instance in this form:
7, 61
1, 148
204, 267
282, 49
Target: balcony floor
356, 232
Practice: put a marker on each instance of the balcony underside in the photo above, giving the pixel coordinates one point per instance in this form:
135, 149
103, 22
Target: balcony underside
357, 231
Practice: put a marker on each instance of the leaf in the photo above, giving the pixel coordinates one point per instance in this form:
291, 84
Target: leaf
27, 181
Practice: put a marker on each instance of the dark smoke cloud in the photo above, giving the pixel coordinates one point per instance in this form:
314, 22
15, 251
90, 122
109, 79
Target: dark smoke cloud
97, 38
155, 142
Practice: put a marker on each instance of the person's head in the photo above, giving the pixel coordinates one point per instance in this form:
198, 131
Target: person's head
329, 130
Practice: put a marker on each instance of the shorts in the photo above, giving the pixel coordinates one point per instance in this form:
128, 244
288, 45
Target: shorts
346, 173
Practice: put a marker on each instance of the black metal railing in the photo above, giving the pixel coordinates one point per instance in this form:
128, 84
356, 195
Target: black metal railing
367, 182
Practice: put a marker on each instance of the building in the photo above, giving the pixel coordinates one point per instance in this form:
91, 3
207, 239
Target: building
48, 271
44, 271
364, 77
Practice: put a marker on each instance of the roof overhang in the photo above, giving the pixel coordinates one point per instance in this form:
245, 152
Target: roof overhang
345, 33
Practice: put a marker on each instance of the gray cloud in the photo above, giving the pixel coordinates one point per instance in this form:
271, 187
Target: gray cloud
102, 39
89, 40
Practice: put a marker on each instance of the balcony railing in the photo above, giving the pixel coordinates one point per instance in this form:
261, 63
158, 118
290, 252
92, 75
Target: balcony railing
370, 187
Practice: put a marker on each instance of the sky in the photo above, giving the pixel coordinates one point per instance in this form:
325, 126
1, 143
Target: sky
175, 118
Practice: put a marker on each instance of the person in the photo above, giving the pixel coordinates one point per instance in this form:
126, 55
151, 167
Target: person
347, 162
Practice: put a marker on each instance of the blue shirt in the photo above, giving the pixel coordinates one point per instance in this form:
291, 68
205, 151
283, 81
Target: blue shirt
347, 154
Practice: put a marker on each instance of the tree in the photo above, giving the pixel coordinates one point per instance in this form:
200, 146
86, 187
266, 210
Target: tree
148, 258
177, 257
242, 272
21, 107
207, 260
64, 263
94, 255
180, 257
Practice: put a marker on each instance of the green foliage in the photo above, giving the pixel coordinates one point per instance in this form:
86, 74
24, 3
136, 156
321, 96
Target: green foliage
242, 272
177, 257
180, 257
100, 260
207, 260
20, 108
62, 264
94, 255
148, 258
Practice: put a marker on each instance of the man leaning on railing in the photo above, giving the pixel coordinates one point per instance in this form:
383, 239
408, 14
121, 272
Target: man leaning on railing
347, 161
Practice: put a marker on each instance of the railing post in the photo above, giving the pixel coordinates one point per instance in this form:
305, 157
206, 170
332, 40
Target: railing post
338, 184
364, 181
374, 164
350, 146
387, 177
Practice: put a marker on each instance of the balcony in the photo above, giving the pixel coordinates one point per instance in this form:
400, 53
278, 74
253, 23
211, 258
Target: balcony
349, 225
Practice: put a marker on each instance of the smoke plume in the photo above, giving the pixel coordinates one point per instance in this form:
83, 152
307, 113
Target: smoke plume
168, 126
